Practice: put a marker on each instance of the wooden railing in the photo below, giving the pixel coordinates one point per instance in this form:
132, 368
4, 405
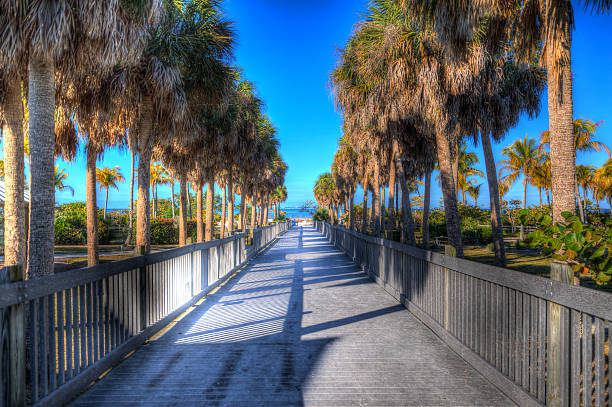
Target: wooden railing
82, 322
541, 342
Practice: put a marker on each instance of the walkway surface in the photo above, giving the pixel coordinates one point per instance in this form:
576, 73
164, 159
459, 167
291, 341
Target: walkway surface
300, 326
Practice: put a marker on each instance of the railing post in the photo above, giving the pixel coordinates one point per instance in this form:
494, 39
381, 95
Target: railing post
558, 347
142, 275
16, 345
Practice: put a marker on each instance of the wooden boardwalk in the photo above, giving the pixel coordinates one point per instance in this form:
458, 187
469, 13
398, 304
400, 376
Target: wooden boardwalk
300, 326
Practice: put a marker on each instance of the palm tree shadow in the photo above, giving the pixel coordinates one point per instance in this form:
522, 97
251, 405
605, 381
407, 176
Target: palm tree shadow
268, 357
241, 346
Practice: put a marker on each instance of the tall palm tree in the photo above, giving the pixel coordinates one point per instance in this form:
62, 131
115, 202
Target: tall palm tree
324, 190
82, 41
11, 111
539, 29
108, 178
60, 177
584, 133
159, 176
540, 176
474, 191
522, 158
603, 183
585, 175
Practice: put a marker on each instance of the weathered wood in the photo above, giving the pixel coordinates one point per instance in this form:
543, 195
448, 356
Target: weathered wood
594, 302
556, 381
16, 343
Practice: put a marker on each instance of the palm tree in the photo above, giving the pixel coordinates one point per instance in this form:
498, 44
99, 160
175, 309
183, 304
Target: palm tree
159, 176
60, 177
279, 196
465, 170
540, 176
324, 190
474, 191
585, 175
522, 158
11, 110
107, 178
538, 29
603, 183
81, 41
158, 91
584, 132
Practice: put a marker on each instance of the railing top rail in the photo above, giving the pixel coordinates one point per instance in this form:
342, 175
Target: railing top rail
595, 303
15, 293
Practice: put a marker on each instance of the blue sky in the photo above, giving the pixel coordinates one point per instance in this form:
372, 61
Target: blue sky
288, 48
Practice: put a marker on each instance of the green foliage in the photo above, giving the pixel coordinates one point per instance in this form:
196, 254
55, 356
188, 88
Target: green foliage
71, 225
321, 214
282, 216
165, 231
587, 248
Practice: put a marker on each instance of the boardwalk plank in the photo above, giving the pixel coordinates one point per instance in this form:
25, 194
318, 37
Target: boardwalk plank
300, 326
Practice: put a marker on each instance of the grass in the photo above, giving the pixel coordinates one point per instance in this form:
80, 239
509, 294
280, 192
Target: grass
525, 261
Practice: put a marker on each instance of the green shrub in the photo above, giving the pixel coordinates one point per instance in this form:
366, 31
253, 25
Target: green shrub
321, 215
164, 231
71, 224
586, 248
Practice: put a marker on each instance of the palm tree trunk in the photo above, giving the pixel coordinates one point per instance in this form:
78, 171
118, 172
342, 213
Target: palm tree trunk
91, 206
41, 106
14, 170
223, 213
456, 167
190, 212
172, 199
580, 205
253, 209
524, 207
426, 205
548, 201
155, 201
199, 215
230, 206
392, 181
364, 225
106, 203
210, 208
265, 212
128, 239
243, 209
540, 192
182, 210
351, 209
376, 200
453, 221
497, 234
407, 234
561, 116
145, 149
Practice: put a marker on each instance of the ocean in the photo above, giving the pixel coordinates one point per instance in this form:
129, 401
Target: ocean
298, 213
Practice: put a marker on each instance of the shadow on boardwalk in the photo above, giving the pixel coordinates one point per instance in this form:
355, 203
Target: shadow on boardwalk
300, 326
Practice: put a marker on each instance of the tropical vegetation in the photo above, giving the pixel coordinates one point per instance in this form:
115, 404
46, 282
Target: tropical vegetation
153, 76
